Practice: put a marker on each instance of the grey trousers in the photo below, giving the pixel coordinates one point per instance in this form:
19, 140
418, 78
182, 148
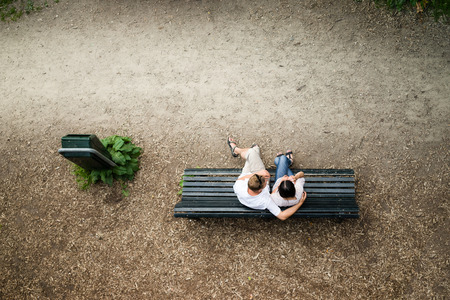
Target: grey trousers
253, 161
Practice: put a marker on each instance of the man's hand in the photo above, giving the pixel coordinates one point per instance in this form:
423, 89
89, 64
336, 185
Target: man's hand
264, 173
303, 198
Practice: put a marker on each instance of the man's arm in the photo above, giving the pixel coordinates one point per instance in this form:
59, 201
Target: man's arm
266, 175
245, 177
291, 210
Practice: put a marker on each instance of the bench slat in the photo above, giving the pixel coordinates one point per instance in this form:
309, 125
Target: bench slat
233, 179
231, 198
188, 190
249, 210
265, 215
237, 172
308, 184
212, 195
326, 205
310, 205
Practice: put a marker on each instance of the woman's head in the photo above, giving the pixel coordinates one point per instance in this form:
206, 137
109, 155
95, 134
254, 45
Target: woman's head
287, 189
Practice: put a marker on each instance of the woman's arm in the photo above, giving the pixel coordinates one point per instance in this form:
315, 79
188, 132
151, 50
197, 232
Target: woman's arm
299, 175
275, 189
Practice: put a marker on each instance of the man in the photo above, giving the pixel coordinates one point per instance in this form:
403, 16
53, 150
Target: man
252, 186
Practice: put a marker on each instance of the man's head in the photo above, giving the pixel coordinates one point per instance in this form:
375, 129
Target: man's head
256, 183
287, 189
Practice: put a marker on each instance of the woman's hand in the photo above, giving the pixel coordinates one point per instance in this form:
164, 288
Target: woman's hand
299, 175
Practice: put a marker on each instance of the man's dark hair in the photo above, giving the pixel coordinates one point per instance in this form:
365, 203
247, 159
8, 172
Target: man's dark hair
287, 189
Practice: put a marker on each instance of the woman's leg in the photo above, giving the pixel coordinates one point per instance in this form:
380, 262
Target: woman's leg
282, 163
277, 159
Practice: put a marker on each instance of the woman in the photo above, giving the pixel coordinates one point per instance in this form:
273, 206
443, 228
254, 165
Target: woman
288, 188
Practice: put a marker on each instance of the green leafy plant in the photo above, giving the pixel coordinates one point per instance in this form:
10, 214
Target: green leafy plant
124, 153
29, 6
9, 11
12, 10
439, 8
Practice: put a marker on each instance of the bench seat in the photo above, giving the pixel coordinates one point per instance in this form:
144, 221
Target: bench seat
209, 193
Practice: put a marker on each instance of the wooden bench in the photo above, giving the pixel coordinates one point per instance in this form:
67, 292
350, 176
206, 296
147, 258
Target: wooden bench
209, 193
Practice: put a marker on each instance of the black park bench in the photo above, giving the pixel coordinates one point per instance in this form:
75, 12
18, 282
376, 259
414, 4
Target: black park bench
209, 193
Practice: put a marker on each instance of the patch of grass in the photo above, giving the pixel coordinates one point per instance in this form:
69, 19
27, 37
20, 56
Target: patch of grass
181, 183
439, 8
12, 10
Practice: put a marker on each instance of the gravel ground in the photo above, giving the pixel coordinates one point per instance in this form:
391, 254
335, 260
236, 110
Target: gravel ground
342, 83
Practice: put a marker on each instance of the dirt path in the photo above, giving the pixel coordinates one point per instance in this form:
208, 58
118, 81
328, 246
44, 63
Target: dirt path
342, 83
